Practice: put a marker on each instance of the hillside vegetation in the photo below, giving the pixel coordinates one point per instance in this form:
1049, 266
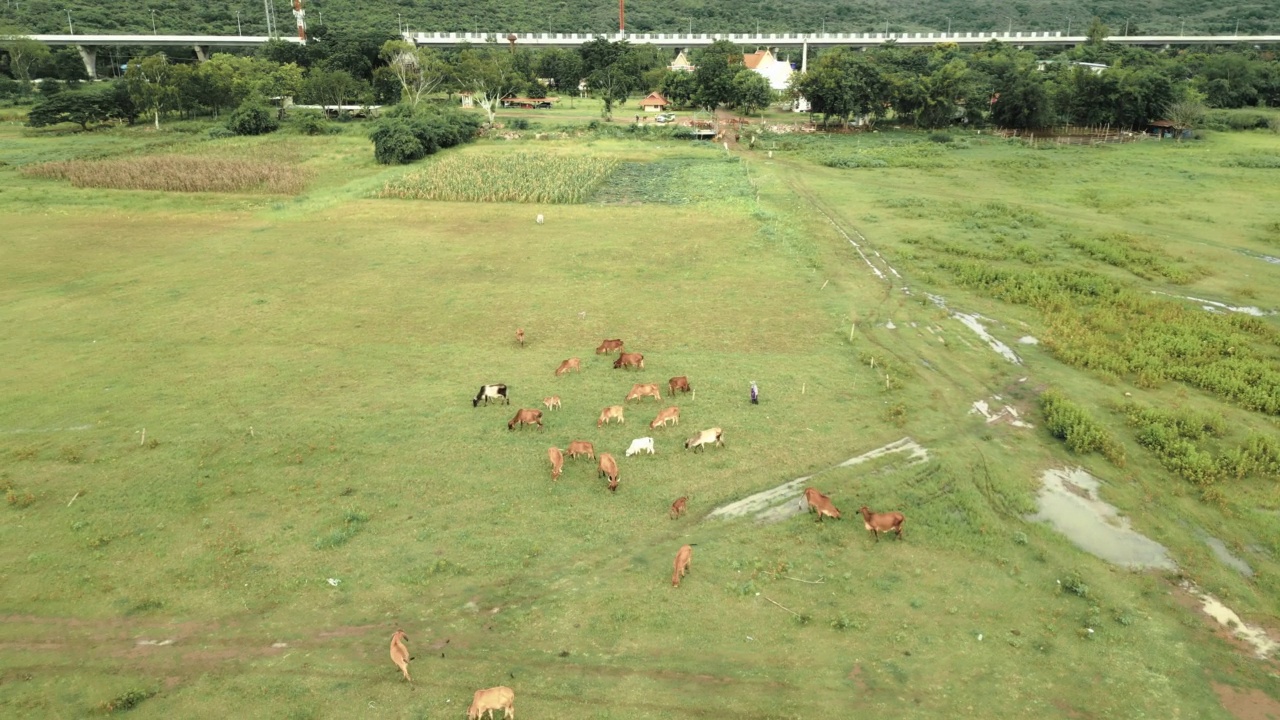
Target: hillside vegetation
179, 16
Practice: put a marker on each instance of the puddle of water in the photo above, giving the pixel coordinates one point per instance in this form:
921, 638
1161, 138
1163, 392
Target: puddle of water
1069, 502
1259, 256
1214, 305
1221, 552
982, 408
1028, 340
973, 321
1254, 636
783, 501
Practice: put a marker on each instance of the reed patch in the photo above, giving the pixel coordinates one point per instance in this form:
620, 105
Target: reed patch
177, 173
480, 177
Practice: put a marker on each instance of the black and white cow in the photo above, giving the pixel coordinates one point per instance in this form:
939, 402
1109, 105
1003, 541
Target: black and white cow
491, 392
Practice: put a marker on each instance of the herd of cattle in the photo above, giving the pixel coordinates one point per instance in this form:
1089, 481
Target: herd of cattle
503, 698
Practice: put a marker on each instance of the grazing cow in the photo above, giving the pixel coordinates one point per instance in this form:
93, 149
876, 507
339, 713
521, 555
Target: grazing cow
627, 359
677, 507
557, 462
608, 346
540, 219
520, 336
526, 417
491, 392
609, 469
684, 559
570, 364
494, 698
581, 447
820, 504
706, 437
642, 390
609, 413
678, 383
552, 403
640, 445
400, 653
882, 522
671, 413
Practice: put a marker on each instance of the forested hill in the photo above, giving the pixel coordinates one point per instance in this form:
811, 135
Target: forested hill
186, 16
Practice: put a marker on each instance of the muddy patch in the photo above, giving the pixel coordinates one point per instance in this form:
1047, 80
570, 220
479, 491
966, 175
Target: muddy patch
783, 501
974, 322
1254, 637
1069, 502
1259, 256
1252, 704
1226, 557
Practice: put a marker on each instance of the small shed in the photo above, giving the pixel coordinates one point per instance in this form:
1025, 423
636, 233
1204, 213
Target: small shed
654, 103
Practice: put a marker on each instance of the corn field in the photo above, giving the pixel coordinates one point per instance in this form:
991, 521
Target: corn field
177, 173
530, 178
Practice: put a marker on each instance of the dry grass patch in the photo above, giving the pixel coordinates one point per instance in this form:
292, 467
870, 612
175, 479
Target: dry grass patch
527, 178
177, 173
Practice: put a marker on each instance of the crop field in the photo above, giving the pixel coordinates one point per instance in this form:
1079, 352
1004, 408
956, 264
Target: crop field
238, 447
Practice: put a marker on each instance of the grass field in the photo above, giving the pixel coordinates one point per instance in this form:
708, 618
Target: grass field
302, 366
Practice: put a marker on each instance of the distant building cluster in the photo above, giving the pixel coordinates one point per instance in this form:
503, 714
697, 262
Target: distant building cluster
764, 61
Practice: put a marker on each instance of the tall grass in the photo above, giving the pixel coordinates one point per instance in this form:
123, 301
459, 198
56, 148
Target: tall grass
177, 173
532, 178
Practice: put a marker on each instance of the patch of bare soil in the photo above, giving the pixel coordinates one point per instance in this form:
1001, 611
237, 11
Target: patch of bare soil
1251, 640
1250, 704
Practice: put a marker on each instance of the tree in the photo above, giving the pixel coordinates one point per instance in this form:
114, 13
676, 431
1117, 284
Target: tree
678, 87
842, 83
751, 91
419, 69
253, 117
1098, 31
1185, 115
610, 85
329, 87
717, 64
151, 84
563, 67
80, 106
489, 75
24, 54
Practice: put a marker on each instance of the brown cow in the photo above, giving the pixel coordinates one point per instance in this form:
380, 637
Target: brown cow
494, 698
581, 447
609, 469
627, 359
668, 414
882, 522
609, 413
678, 383
677, 507
526, 416
710, 436
520, 336
400, 653
671, 413
640, 391
820, 504
552, 403
557, 462
570, 364
608, 346
684, 559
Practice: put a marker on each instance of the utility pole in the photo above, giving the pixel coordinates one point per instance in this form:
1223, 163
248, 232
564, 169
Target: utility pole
239, 30
948, 26
622, 17
1068, 27
70, 28
266, 8
300, 16
153, 21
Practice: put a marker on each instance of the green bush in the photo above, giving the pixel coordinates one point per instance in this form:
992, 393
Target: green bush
253, 118
940, 137
309, 123
1072, 423
403, 137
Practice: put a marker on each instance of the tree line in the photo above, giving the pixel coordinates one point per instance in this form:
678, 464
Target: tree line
928, 86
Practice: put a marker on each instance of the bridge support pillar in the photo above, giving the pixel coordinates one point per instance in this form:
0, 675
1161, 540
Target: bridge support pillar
90, 57
202, 53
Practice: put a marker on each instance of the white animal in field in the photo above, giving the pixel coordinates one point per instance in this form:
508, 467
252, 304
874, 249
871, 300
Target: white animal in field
540, 218
639, 445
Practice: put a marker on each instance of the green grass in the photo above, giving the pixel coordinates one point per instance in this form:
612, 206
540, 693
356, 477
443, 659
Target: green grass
303, 368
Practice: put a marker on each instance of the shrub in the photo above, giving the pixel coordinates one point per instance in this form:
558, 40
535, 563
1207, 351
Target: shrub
309, 123
520, 124
253, 118
221, 132
394, 142
940, 137
404, 136
1072, 423
126, 701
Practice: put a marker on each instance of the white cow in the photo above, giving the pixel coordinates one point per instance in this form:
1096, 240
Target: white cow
640, 445
540, 218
